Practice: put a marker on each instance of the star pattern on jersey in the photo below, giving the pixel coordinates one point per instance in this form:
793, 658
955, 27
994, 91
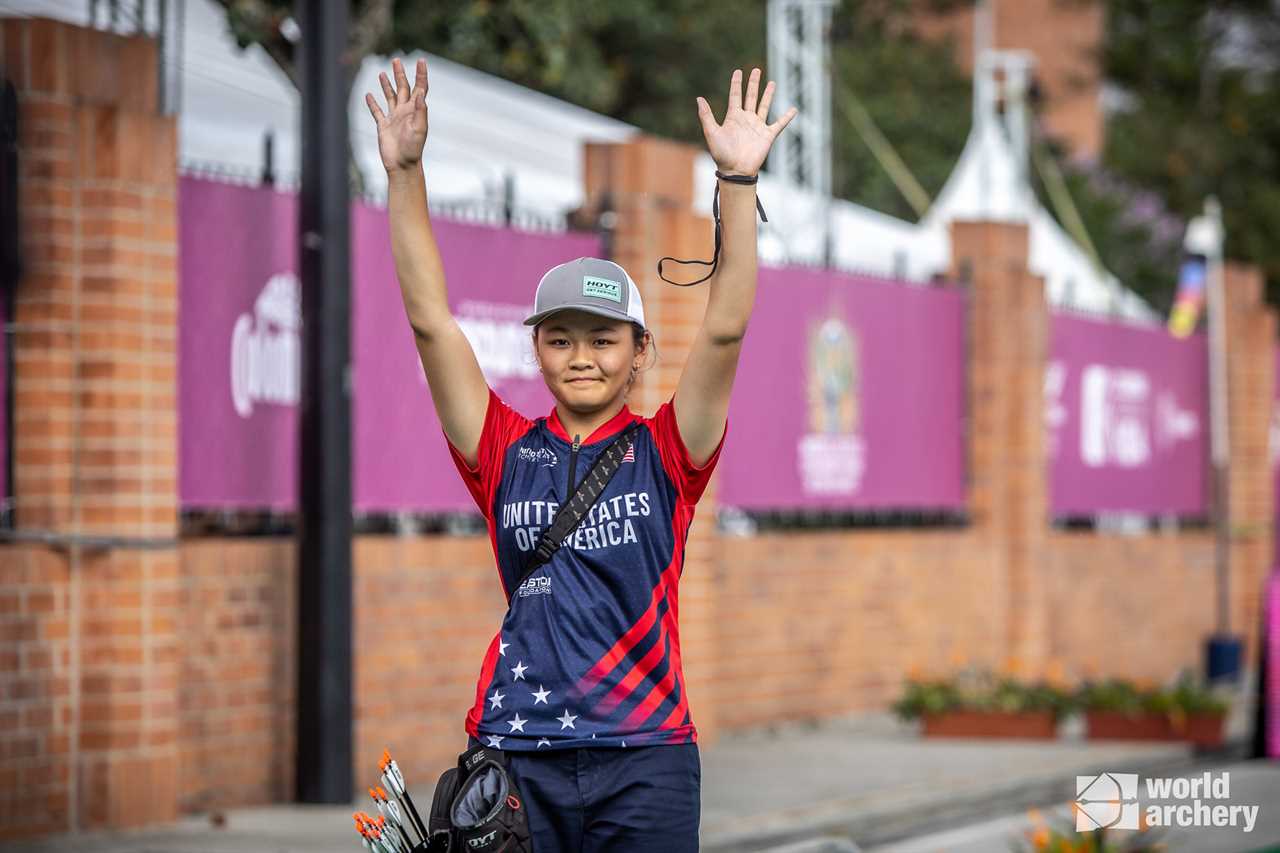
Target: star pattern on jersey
507, 706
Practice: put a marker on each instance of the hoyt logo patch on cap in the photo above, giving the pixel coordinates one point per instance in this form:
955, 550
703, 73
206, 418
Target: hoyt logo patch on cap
602, 287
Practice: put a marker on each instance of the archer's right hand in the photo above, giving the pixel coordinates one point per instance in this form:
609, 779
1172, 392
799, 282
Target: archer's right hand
403, 132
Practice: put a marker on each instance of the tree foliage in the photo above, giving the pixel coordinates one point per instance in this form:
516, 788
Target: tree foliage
1198, 93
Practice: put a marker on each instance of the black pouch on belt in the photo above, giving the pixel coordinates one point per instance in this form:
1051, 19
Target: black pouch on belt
476, 807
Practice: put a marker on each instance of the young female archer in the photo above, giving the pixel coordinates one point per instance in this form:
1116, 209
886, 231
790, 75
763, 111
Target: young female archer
582, 688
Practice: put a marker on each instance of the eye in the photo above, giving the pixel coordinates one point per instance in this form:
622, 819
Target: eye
604, 341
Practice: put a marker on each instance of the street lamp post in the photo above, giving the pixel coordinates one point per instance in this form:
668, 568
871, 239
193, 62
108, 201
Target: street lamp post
1205, 237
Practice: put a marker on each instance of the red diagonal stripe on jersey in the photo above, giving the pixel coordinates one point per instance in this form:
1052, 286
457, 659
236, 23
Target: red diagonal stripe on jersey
615, 655
650, 703
661, 690
636, 632
624, 688
676, 717
486, 675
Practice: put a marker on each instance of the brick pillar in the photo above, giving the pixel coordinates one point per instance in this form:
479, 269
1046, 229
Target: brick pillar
1251, 341
649, 183
1007, 329
94, 390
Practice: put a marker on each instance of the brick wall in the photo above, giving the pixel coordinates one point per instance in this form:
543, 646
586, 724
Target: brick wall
36, 678
237, 695
96, 635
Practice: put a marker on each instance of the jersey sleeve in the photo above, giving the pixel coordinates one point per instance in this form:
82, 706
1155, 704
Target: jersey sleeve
502, 426
690, 479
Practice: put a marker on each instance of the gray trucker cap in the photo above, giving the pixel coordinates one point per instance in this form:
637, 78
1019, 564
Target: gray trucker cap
588, 284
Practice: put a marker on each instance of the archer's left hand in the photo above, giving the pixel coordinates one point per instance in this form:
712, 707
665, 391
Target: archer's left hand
741, 144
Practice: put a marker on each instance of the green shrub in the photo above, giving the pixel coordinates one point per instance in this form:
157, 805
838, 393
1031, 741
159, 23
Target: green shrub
980, 690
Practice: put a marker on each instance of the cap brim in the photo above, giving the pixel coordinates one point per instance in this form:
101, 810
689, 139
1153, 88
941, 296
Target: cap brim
535, 319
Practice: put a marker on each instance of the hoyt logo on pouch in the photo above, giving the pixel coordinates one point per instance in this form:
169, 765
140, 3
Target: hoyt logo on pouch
483, 840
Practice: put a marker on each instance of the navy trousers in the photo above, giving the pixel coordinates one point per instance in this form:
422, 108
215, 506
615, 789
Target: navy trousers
629, 800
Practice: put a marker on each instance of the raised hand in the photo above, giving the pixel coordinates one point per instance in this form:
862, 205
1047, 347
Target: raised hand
740, 144
402, 131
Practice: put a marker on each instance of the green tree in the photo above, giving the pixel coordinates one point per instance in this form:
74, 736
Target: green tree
914, 92
1197, 87
643, 61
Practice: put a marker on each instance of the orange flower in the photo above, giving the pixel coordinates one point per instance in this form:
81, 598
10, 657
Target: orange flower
1012, 665
957, 659
1041, 838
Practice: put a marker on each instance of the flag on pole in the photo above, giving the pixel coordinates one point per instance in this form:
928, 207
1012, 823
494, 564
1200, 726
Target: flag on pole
1190, 298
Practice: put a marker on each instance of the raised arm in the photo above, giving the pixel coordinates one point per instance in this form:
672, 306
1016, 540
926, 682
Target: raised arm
458, 388
739, 146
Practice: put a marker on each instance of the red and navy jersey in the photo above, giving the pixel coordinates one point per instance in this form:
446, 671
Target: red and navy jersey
589, 650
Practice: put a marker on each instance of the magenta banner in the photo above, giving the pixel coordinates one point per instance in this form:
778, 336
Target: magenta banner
239, 319
1127, 419
240, 343
849, 394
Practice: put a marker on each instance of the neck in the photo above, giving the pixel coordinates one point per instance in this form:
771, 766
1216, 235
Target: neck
586, 423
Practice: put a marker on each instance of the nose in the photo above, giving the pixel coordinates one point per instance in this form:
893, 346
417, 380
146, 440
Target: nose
581, 356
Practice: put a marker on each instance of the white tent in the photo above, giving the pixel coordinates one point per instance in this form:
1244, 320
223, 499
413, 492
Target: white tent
484, 129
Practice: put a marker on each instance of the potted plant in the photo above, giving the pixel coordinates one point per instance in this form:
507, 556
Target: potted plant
979, 703
1119, 709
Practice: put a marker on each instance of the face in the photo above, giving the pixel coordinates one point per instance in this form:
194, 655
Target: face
586, 359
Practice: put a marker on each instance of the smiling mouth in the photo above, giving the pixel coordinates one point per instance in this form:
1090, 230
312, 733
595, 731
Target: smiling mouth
576, 381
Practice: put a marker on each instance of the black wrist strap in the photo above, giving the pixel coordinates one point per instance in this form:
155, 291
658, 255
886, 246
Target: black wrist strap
715, 215
582, 499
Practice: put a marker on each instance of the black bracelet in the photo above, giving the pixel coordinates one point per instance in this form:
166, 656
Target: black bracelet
715, 216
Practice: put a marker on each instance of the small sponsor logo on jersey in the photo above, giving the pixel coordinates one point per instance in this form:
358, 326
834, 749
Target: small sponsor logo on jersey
542, 456
535, 586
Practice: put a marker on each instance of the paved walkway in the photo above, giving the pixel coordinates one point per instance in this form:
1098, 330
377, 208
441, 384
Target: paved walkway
869, 780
